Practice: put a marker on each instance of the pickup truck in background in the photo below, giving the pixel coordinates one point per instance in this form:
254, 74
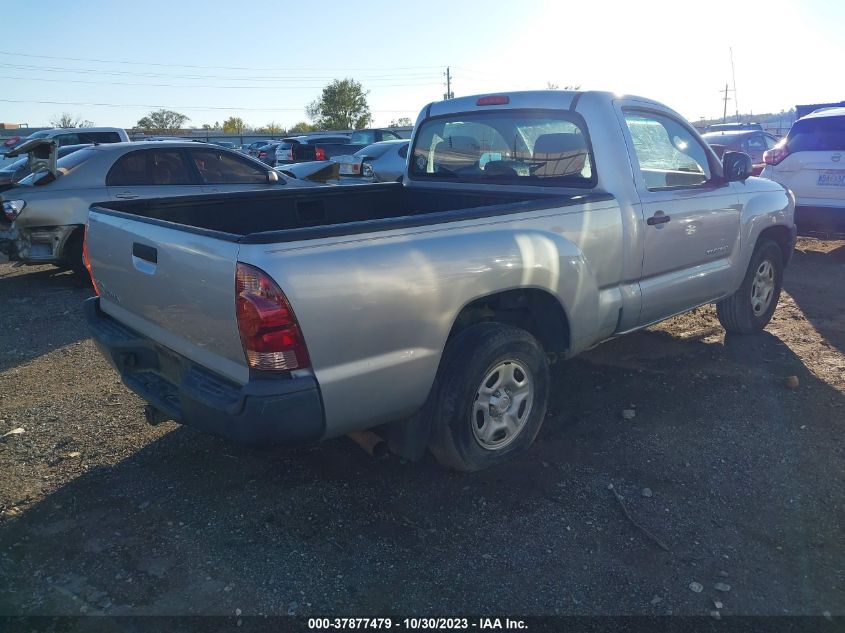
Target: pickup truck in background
529, 227
309, 148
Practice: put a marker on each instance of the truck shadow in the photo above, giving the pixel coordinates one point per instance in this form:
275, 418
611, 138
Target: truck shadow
192, 524
41, 308
815, 280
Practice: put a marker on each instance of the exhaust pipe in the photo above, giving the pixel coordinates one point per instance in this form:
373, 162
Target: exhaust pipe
369, 441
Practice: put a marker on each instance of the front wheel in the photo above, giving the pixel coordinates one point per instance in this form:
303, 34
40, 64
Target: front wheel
751, 307
490, 398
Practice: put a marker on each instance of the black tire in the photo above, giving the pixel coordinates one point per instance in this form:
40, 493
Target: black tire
737, 313
467, 360
72, 258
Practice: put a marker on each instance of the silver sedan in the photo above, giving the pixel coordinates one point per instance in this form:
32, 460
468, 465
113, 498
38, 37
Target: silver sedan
44, 215
379, 162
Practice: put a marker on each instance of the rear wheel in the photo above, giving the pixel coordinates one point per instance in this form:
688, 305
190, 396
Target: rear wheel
490, 398
751, 307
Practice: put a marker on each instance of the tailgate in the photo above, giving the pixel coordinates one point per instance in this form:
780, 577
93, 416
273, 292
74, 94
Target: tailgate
815, 174
174, 286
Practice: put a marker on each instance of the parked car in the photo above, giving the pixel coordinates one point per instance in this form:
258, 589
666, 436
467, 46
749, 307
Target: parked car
810, 162
69, 136
322, 171
733, 127
379, 162
298, 149
267, 153
327, 150
752, 142
252, 148
430, 308
45, 213
19, 169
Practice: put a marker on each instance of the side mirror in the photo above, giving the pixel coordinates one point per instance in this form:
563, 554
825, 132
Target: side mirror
272, 177
737, 166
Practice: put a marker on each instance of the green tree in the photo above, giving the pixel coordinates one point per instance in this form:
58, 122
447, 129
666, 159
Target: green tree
162, 121
302, 127
272, 128
342, 106
234, 125
70, 120
401, 122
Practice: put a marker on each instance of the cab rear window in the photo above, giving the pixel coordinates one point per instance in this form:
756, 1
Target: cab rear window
513, 146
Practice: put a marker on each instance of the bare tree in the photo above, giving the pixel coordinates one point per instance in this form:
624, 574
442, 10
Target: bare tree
70, 120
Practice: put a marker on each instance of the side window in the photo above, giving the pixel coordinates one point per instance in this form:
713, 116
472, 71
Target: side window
770, 141
668, 154
99, 137
221, 168
390, 136
68, 139
150, 167
403, 152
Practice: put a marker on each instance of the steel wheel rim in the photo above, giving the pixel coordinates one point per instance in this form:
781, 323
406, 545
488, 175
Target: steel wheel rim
763, 287
502, 405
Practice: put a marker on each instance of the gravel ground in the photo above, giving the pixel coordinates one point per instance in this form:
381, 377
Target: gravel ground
727, 475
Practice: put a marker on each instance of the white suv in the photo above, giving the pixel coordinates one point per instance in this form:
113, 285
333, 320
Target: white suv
810, 161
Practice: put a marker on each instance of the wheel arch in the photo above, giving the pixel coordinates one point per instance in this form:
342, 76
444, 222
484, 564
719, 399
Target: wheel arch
535, 310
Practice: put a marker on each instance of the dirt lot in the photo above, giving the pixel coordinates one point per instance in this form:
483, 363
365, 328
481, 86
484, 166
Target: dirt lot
745, 479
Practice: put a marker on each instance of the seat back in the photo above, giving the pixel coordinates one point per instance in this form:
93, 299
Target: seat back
561, 154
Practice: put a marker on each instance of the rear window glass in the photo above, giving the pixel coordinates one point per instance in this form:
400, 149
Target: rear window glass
720, 139
373, 151
818, 134
74, 159
513, 146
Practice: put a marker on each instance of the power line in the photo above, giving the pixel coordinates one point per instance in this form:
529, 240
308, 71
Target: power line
172, 76
127, 83
169, 65
181, 107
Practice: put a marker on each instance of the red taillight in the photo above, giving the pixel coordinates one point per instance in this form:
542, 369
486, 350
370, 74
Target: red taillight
262, 154
493, 100
776, 154
12, 141
319, 154
270, 333
87, 261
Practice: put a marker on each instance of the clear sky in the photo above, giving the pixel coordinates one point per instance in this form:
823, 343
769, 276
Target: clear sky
264, 61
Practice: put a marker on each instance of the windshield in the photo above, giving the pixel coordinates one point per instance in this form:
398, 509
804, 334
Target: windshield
513, 146
67, 164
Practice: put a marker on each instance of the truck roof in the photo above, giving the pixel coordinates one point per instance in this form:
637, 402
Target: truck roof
552, 99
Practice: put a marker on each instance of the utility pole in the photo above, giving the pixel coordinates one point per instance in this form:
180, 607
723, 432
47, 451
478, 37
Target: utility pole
725, 111
449, 94
733, 75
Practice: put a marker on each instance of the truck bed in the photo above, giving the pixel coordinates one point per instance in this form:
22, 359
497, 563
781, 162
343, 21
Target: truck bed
296, 214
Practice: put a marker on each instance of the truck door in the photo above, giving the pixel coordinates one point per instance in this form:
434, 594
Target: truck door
692, 216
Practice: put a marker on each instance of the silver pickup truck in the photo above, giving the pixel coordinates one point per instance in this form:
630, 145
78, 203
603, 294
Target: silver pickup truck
529, 227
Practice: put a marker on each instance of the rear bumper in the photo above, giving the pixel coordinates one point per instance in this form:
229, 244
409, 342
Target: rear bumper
263, 411
820, 219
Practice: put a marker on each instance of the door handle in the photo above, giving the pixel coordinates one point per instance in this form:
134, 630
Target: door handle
147, 253
658, 218
126, 195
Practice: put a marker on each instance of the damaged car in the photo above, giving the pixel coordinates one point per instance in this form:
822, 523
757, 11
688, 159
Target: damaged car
45, 213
